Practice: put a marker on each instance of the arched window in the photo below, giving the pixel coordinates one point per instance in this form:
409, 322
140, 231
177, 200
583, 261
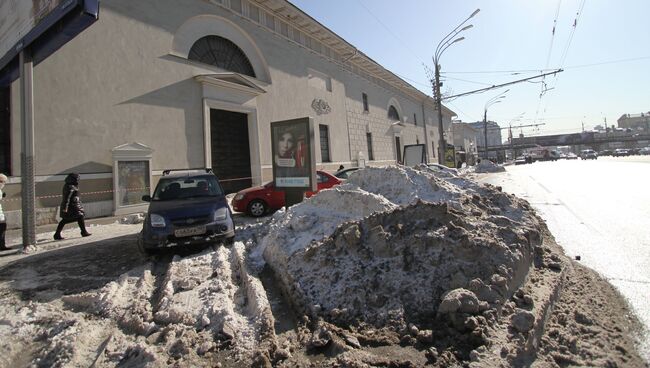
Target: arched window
393, 114
218, 51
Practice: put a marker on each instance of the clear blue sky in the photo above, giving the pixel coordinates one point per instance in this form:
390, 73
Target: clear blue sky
511, 35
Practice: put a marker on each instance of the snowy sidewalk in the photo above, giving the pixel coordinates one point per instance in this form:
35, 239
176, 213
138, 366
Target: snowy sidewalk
14, 236
102, 229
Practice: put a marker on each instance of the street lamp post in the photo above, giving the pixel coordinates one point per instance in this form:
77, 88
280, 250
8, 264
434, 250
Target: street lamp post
510, 138
492, 101
447, 41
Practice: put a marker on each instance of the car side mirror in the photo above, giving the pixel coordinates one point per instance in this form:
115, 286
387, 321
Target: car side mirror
146, 198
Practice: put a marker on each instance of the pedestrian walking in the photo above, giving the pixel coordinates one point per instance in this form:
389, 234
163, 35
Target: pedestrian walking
71, 208
3, 222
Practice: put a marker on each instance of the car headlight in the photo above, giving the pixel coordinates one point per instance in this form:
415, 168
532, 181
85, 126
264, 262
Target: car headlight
239, 197
156, 220
221, 214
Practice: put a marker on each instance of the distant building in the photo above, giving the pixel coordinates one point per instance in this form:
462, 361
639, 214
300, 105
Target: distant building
635, 121
493, 137
465, 142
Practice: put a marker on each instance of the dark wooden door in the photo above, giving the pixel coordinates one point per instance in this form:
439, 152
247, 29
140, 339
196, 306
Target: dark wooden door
398, 149
231, 159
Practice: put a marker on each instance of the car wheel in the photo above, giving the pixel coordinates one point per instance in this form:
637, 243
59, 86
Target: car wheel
145, 251
257, 208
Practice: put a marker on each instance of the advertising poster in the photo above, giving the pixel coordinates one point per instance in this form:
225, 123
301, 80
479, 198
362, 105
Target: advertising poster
294, 164
414, 154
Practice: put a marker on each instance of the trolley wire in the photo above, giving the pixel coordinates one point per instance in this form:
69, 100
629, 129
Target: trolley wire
579, 66
573, 31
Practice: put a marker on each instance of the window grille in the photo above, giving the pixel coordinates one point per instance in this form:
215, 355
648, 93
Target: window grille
324, 143
220, 52
371, 155
393, 114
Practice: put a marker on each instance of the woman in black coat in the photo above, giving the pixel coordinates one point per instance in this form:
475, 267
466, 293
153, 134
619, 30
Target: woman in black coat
71, 208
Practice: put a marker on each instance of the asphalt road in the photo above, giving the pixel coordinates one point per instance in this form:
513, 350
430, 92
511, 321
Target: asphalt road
598, 210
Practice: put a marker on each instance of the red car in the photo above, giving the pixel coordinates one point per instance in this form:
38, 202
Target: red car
257, 201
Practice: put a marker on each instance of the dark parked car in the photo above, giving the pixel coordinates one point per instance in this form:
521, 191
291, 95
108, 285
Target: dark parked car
588, 154
186, 208
605, 153
522, 160
257, 201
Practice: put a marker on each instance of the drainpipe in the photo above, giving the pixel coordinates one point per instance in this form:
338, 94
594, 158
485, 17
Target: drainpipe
347, 117
347, 120
426, 135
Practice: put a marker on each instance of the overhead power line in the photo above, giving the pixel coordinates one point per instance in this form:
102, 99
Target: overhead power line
402, 42
516, 126
550, 48
461, 111
608, 62
544, 88
573, 31
574, 26
618, 61
413, 81
503, 84
469, 81
556, 118
500, 71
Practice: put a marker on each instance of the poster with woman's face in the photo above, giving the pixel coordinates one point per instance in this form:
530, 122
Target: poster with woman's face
292, 153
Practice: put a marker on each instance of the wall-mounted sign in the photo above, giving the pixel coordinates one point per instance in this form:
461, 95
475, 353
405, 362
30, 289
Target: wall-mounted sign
294, 165
132, 181
131, 177
414, 154
321, 106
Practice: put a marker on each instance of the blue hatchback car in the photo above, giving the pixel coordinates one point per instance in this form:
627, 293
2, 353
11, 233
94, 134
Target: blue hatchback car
185, 209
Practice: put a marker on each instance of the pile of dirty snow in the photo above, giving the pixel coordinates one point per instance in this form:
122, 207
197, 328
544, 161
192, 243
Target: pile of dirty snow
189, 308
487, 166
314, 219
392, 243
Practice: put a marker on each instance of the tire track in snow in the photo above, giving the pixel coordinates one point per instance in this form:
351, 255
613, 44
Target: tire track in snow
185, 307
213, 291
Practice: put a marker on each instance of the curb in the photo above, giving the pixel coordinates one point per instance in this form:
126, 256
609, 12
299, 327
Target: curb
525, 353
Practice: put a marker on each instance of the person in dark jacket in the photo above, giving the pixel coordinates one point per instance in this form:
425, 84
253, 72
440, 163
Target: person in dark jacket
71, 208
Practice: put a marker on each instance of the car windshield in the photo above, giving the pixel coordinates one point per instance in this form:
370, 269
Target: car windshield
342, 174
169, 189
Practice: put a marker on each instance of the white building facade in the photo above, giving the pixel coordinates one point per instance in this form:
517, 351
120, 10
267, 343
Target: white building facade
635, 121
465, 142
493, 138
196, 85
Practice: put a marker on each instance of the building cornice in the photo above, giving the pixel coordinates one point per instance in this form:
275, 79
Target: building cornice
231, 80
347, 55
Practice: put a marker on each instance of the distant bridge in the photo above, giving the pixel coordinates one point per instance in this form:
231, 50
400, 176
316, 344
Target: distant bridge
597, 141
